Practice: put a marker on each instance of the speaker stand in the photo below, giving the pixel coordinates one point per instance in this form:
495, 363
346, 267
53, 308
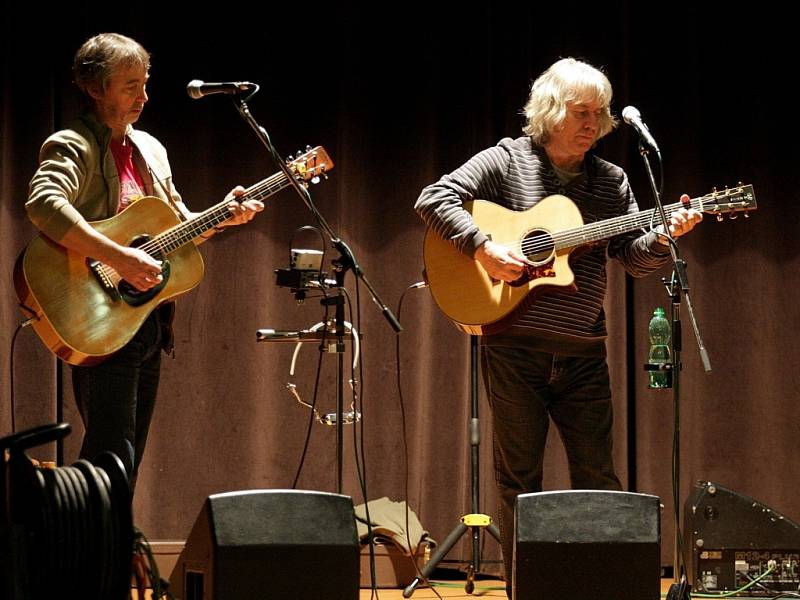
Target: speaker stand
475, 521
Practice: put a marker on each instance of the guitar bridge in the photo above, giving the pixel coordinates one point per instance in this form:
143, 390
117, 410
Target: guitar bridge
98, 269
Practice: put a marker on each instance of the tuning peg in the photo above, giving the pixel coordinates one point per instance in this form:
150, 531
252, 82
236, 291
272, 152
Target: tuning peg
720, 218
734, 216
308, 148
315, 179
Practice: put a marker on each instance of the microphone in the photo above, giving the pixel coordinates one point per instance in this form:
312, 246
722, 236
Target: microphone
632, 116
198, 88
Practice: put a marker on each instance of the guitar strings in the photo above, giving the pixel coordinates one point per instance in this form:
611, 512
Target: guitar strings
182, 233
599, 230
176, 236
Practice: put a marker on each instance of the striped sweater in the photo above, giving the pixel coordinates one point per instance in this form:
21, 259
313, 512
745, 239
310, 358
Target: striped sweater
517, 174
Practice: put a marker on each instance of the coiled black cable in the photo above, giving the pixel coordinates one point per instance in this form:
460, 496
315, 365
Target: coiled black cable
71, 527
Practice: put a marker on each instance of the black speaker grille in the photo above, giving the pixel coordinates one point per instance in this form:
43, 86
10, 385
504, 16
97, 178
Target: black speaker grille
270, 544
587, 545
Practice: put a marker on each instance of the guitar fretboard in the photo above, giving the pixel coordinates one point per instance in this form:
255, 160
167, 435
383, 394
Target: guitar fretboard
735, 200
188, 231
601, 230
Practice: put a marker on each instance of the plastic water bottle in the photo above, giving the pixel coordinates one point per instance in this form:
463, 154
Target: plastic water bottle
659, 332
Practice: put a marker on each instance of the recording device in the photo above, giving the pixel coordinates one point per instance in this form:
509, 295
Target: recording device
305, 270
632, 116
198, 88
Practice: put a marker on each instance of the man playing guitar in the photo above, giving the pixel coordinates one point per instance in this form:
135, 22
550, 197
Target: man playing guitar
93, 170
549, 362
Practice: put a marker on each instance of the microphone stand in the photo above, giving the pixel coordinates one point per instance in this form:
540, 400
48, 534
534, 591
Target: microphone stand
345, 262
475, 521
678, 285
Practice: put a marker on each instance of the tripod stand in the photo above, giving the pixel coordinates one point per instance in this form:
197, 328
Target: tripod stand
474, 521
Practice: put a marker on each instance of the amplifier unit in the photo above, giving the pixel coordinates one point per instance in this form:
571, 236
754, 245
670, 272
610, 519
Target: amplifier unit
733, 540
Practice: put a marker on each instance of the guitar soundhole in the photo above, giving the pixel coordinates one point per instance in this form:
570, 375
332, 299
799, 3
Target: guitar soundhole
537, 246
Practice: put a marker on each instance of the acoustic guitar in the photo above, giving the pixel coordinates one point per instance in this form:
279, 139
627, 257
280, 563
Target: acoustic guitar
546, 235
84, 311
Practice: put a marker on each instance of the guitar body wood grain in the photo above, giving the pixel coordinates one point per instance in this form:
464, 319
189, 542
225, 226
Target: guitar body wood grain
77, 319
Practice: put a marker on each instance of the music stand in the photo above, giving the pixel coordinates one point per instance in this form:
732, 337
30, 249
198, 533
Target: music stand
475, 521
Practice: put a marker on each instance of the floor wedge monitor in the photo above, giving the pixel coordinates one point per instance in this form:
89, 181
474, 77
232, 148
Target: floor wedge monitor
587, 545
270, 544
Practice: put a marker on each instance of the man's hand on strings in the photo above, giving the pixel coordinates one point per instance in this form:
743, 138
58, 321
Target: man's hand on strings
501, 263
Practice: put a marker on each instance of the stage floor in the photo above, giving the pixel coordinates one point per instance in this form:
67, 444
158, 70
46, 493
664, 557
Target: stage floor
484, 588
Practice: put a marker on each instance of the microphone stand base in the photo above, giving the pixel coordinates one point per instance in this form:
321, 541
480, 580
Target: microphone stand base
411, 587
680, 591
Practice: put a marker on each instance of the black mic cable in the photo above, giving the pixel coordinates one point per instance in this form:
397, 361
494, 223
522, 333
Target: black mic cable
413, 286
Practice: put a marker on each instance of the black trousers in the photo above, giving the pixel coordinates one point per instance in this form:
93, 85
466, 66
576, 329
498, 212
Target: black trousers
527, 388
116, 398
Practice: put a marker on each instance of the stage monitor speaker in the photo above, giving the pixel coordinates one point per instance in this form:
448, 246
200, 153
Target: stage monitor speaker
587, 545
733, 539
270, 544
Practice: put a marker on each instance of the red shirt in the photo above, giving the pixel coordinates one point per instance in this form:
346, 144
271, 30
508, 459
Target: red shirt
131, 185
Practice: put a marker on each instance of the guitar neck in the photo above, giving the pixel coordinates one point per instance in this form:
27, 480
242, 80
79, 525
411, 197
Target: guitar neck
601, 230
188, 231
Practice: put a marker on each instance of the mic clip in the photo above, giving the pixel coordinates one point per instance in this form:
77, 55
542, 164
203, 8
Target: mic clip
348, 418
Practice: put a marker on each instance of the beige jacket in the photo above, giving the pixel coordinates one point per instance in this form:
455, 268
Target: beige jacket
77, 178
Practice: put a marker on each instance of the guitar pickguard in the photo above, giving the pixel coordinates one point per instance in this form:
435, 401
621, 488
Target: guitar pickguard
135, 297
533, 272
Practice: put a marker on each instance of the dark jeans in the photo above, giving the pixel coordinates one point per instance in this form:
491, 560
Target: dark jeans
116, 398
526, 388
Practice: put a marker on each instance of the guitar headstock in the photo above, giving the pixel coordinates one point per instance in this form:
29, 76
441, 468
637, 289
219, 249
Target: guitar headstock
730, 201
310, 165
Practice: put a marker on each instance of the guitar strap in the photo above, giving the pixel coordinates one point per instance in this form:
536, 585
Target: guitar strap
151, 178
166, 315
167, 193
166, 311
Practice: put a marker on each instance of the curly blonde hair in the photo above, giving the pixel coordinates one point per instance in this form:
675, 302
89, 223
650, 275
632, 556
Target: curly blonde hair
567, 80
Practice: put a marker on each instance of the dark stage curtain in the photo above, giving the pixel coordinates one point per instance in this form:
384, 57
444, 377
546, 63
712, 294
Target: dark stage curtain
398, 100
